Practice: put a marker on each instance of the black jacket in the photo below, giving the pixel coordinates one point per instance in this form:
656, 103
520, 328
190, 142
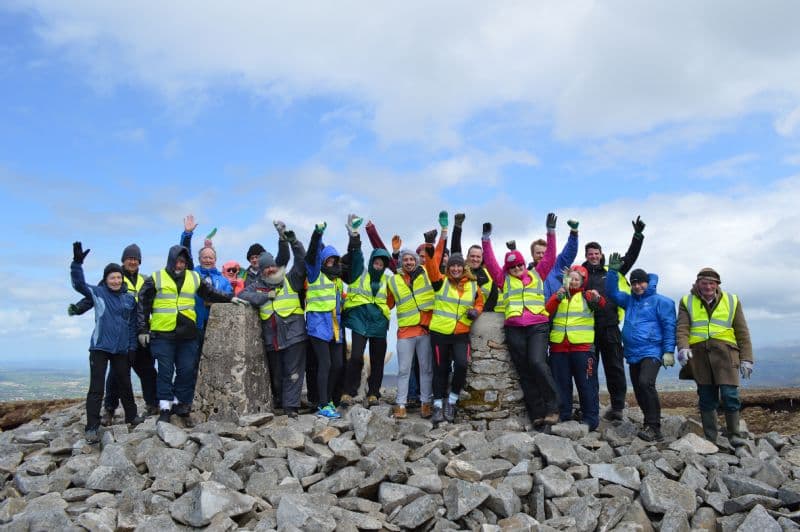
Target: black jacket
597, 280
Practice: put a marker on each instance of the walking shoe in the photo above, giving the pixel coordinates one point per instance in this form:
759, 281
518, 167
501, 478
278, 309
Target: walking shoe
107, 418
413, 404
550, 419
650, 433
329, 412
291, 412
438, 415
151, 410
164, 415
613, 415
577, 415
399, 412
425, 410
138, 420
449, 412
372, 400
346, 400
92, 435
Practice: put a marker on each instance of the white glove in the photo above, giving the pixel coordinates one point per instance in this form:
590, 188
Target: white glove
668, 360
353, 223
684, 355
144, 339
239, 301
746, 368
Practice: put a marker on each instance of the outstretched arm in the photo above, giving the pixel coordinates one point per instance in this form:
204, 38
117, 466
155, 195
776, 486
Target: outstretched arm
636, 246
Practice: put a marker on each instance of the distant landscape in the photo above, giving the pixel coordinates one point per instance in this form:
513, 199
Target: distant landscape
776, 367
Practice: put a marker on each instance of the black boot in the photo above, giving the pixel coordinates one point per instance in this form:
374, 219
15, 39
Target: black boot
732, 424
438, 415
710, 430
165, 416
449, 412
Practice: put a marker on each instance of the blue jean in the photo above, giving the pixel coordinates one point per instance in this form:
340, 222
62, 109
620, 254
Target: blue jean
577, 365
711, 394
177, 360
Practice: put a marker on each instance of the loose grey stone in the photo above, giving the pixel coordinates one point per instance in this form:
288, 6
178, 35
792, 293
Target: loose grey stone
255, 420
585, 512
173, 436
163, 462
345, 450
301, 465
430, 483
306, 512
704, 518
570, 429
416, 513
557, 451
675, 520
107, 478
198, 506
759, 519
9, 462
341, 481
227, 478
521, 522
771, 473
503, 501
11, 507
739, 485
287, 437
462, 497
556, 481
693, 443
618, 474
612, 512
359, 520
662, 494
463, 470
100, 520
693, 478
159, 523
748, 502
393, 495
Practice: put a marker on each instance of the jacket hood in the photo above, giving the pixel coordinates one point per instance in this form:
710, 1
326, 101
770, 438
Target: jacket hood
379, 254
228, 265
328, 251
175, 252
652, 283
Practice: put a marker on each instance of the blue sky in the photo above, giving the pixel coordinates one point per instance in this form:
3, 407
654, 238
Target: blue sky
118, 119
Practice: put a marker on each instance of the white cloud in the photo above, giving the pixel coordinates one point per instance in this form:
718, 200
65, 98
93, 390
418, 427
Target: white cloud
729, 167
597, 69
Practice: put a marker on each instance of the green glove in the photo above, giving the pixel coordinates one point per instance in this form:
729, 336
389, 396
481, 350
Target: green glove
72, 309
668, 360
320, 227
290, 236
573, 224
615, 262
443, 219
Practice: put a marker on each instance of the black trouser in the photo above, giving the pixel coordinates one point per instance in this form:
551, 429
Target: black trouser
144, 366
608, 344
311, 374
274, 366
120, 366
329, 368
445, 355
643, 378
291, 363
354, 366
527, 347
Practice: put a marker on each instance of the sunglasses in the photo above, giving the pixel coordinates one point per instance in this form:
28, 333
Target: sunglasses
232, 270
516, 266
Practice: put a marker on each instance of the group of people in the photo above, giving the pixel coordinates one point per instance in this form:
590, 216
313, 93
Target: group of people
561, 322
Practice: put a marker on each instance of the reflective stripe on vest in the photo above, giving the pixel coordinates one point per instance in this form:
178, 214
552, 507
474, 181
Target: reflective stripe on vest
575, 319
321, 294
719, 326
410, 301
360, 293
286, 303
622, 286
449, 309
134, 288
168, 302
516, 296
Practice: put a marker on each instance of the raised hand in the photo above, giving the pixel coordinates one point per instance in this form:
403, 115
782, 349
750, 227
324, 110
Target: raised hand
511, 245
430, 236
443, 219
320, 227
638, 225
573, 224
551, 221
280, 227
78, 254
615, 262
487, 230
459, 219
290, 236
189, 225
397, 243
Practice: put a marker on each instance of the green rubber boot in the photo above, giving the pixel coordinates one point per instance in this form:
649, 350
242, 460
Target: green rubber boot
709, 419
732, 424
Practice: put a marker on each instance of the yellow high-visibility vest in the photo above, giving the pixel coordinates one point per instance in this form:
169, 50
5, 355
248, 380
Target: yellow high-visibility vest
410, 301
359, 292
134, 288
718, 326
517, 297
449, 307
168, 302
574, 319
286, 303
622, 286
321, 294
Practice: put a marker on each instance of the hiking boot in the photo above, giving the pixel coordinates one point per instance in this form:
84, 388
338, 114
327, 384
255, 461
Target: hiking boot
732, 425
182, 409
613, 415
709, 420
346, 400
107, 419
551, 418
138, 420
449, 412
92, 435
650, 433
151, 410
328, 411
372, 400
164, 416
292, 413
399, 412
438, 415
413, 404
188, 422
577, 415
425, 410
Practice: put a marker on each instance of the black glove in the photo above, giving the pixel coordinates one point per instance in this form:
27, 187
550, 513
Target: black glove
78, 254
551, 220
472, 314
459, 219
638, 225
72, 309
131, 358
430, 236
487, 230
511, 245
290, 236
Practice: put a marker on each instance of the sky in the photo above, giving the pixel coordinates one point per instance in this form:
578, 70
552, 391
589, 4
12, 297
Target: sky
117, 119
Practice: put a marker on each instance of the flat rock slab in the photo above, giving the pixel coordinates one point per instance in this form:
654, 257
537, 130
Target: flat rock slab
691, 442
199, 506
662, 494
617, 474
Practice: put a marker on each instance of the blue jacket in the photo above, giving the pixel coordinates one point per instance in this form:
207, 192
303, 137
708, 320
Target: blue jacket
564, 260
649, 329
114, 314
212, 276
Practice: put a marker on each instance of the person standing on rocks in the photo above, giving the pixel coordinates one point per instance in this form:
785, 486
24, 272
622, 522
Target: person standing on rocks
648, 337
168, 323
714, 349
527, 322
458, 302
571, 344
283, 324
113, 339
608, 341
474, 261
325, 281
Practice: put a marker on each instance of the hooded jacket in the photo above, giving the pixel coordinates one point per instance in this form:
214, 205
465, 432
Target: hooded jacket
114, 314
649, 329
185, 328
368, 320
608, 316
552, 307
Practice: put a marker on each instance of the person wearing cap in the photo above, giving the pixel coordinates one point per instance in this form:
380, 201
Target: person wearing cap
714, 349
231, 271
167, 321
457, 302
327, 273
143, 362
608, 340
276, 294
113, 340
526, 323
251, 274
571, 343
648, 337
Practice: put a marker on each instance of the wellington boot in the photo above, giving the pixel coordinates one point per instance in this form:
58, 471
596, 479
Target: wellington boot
732, 425
709, 419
